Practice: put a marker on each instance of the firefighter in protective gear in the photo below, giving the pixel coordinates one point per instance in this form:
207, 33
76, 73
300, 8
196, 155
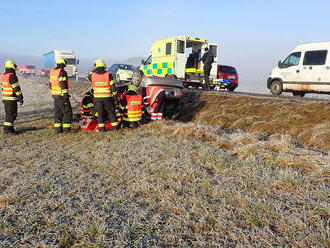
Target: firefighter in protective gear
104, 92
154, 96
131, 107
87, 107
59, 85
11, 94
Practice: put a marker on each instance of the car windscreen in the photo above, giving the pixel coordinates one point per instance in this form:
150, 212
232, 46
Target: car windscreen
126, 67
30, 67
228, 69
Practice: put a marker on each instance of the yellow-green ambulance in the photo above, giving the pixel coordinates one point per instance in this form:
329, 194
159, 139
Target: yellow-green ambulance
178, 57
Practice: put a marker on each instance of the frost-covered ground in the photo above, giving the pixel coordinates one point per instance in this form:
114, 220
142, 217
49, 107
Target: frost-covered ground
210, 178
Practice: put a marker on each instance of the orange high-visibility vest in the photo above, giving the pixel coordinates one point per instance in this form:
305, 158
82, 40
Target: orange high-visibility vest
54, 79
101, 85
7, 89
134, 108
152, 93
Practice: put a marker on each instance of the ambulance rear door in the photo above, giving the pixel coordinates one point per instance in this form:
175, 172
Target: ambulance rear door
180, 58
213, 48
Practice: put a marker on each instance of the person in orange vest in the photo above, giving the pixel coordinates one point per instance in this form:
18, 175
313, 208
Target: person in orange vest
131, 106
11, 93
104, 91
59, 85
154, 96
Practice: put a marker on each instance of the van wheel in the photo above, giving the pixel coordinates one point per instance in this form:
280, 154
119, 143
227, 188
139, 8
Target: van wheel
137, 77
298, 94
276, 88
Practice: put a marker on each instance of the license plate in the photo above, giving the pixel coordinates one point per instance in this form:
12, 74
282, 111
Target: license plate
231, 77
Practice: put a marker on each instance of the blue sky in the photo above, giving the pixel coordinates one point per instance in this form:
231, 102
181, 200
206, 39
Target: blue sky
252, 35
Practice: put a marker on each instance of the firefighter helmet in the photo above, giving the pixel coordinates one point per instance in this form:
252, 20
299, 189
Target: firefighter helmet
132, 88
99, 63
60, 60
11, 64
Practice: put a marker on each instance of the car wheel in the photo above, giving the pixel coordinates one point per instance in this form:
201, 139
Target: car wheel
137, 77
298, 94
231, 89
276, 88
171, 76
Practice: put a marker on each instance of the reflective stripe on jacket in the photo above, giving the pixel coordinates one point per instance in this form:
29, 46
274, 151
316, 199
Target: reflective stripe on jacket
134, 108
54, 79
101, 85
152, 92
8, 92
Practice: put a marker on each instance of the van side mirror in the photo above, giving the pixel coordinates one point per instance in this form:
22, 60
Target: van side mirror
77, 61
280, 64
143, 61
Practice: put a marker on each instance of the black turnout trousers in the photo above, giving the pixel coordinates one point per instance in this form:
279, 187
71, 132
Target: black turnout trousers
207, 71
11, 113
63, 111
105, 110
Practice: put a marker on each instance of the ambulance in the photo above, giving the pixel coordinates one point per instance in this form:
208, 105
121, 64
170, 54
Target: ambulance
178, 57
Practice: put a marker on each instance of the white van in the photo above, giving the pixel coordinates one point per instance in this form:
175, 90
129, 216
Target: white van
305, 70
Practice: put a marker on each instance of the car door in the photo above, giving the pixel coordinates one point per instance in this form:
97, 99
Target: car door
315, 71
314, 66
292, 68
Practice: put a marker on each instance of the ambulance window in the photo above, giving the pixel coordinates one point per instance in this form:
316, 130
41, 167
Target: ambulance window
180, 46
168, 48
315, 57
148, 62
213, 50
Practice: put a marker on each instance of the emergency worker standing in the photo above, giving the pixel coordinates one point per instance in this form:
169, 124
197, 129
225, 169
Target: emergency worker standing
104, 91
11, 93
207, 59
59, 85
154, 96
131, 107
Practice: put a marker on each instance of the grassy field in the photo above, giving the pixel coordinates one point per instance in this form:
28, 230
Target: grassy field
200, 180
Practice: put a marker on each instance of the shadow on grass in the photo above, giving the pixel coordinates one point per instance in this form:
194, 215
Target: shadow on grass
190, 106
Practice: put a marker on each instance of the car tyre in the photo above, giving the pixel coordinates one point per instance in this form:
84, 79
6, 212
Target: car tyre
171, 76
137, 77
276, 88
231, 89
